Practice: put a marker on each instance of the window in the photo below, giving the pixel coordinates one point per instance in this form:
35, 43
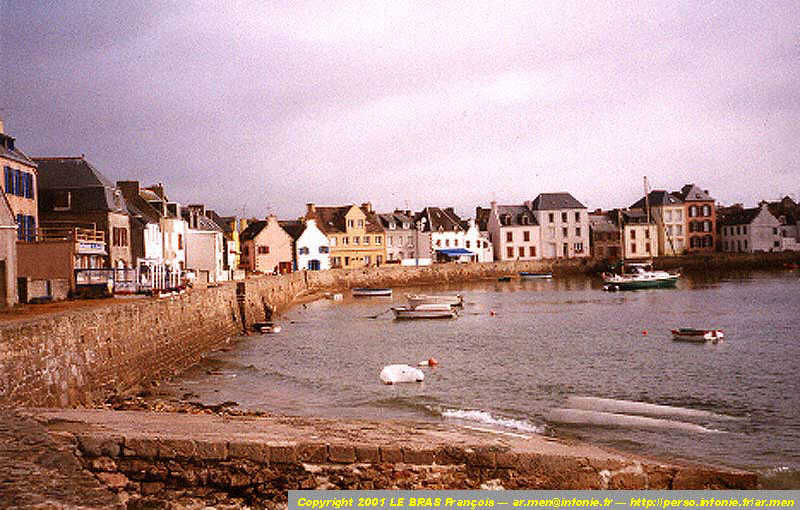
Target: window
521, 251
564, 231
706, 210
332, 241
26, 230
647, 234
466, 244
578, 217
346, 261
551, 232
776, 244
367, 260
509, 237
62, 200
455, 242
577, 231
633, 234
647, 247
678, 230
693, 211
633, 247
667, 215
563, 217
350, 223
578, 247
409, 241
551, 217
707, 227
678, 215
378, 241
526, 236
366, 239
447, 242
379, 260
438, 242
389, 241
532, 251
565, 247
356, 240
510, 252
775, 230
303, 250
180, 241
120, 236
9, 179
360, 223
345, 240
264, 250
745, 244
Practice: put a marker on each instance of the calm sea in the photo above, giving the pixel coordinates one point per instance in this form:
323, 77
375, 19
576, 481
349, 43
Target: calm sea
559, 357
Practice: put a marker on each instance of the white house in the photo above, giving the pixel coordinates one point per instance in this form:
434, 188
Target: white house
514, 232
312, 248
564, 224
447, 233
749, 230
204, 245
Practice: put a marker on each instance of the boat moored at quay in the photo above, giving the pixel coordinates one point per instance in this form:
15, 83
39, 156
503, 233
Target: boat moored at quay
639, 275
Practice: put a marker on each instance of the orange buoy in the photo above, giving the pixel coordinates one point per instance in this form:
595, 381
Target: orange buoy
491, 312
432, 362
644, 332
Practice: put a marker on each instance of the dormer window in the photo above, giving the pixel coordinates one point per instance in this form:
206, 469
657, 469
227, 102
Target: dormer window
406, 225
392, 226
505, 219
62, 200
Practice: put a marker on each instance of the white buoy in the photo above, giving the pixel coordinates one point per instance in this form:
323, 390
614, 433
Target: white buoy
392, 374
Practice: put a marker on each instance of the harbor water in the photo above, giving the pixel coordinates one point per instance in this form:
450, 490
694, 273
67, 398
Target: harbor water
559, 357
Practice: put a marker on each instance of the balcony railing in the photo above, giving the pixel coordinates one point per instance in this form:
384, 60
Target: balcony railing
70, 234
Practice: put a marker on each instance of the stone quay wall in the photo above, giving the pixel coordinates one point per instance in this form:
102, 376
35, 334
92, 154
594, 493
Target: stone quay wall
84, 356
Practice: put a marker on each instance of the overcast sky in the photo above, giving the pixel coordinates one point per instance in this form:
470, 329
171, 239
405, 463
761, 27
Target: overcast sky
266, 106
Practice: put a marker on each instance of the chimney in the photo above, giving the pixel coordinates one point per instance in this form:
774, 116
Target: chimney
493, 205
449, 210
367, 206
129, 188
2, 128
311, 209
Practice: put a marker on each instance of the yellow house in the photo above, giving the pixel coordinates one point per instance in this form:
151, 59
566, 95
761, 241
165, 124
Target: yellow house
355, 234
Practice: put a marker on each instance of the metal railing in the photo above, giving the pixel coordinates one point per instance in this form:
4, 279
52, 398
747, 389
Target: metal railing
52, 233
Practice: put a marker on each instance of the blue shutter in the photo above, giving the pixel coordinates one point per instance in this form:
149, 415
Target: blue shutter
29, 186
15, 178
8, 181
20, 227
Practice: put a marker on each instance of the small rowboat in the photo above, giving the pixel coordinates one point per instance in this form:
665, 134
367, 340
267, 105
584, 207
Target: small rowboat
524, 275
697, 335
371, 291
504, 279
267, 327
429, 311
415, 300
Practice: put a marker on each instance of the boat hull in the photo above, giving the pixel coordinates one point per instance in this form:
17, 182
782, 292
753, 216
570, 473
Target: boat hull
697, 335
532, 276
415, 300
371, 292
653, 283
424, 312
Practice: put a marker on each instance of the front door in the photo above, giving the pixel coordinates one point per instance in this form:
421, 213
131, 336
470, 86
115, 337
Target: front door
313, 265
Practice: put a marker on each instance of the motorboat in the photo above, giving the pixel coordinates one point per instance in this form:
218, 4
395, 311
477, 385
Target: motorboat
525, 275
697, 335
371, 291
415, 300
639, 276
425, 311
267, 327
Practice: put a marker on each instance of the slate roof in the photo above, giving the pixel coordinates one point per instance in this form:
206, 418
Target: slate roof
294, 228
13, 153
69, 173
552, 201
692, 193
253, 229
396, 217
331, 220
482, 218
736, 215
516, 215
91, 190
657, 198
226, 223
602, 223
203, 222
787, 208
438, 219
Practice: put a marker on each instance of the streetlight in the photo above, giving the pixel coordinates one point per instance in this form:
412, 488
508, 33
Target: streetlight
420, 224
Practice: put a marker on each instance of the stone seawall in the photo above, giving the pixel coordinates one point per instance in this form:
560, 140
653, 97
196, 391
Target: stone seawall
247, 460
81, 357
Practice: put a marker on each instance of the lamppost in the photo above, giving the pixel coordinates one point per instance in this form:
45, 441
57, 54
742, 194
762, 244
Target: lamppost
420, 224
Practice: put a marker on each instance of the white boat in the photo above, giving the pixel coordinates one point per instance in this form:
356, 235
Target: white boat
698, 335
639, 276
267, 327
371, 291
525, 275
415, 300
425, 311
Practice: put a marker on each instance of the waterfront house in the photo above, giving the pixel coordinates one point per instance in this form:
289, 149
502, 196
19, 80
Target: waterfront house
639, 233
604, 236
204, 245
447, 234
147, 243
514, 231
355, 234
700, 216
20, 196
404, 244
564, 223
74, 194
312, 248
231, 246
748, 230
295, 229
667, 210
266, 247
788, 213
173, 230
